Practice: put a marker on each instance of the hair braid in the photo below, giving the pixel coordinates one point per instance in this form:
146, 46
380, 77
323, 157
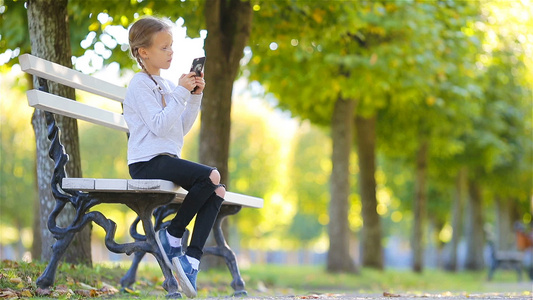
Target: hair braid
139, 60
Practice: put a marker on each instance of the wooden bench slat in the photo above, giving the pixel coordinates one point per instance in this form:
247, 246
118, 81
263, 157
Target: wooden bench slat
80, 184
243, 200
111, 185
75, 109
69, 77
154, 184
149, 186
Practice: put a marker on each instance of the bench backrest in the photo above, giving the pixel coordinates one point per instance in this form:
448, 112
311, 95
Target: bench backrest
67, 107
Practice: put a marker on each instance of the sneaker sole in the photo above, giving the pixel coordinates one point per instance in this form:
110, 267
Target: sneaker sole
184, 282
163, 253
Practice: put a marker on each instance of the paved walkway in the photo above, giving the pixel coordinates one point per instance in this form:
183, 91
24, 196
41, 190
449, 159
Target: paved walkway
522, 291
444, 296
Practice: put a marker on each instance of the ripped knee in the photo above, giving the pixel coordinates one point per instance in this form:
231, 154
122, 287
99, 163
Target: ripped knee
215, 177
221, 190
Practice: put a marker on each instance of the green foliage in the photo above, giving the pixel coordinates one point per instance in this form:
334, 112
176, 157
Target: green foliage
255, 167
101, 19
309, 177
453, 73
17, 168
14, 36
500, 146
96, 23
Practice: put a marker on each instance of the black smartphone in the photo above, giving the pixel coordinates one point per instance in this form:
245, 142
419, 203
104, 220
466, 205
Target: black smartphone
198, 65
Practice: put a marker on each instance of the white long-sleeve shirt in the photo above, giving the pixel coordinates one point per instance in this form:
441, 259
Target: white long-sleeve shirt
153, 129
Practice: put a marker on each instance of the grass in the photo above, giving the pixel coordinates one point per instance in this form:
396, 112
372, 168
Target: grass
76, 281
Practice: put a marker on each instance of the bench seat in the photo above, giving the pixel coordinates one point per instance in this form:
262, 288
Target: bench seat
94, 185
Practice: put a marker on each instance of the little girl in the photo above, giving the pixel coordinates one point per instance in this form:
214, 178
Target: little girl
159, 114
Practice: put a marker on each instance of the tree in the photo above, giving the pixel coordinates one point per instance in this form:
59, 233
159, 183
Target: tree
339, 231
291, 66
428, 98
49, 37
228, 23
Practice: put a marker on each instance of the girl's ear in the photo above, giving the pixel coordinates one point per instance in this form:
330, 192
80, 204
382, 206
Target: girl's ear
143, 53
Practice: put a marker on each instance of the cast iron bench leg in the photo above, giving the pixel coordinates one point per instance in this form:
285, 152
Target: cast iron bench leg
129, 279
145, 210
159, 214
222, 249
47, 279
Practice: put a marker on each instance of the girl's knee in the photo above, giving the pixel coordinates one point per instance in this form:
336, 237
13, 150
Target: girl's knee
220, 191
215, 177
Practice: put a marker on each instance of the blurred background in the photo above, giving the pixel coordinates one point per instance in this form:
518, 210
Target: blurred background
390, 134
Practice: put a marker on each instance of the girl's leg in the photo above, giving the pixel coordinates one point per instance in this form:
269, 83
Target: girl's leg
204, 199
201, 182
204, 223
196, 198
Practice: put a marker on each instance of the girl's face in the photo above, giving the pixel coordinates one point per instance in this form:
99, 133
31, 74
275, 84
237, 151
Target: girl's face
159, 55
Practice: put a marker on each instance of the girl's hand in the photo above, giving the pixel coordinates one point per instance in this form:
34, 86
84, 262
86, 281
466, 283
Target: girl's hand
199, 82
188, 81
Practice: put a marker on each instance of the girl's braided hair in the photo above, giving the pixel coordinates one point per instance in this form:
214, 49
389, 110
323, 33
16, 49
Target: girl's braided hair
141, 36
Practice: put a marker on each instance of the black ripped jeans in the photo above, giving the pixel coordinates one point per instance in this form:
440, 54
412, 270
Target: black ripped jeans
201, 200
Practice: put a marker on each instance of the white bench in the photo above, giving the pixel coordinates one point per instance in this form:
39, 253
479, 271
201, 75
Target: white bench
148, 198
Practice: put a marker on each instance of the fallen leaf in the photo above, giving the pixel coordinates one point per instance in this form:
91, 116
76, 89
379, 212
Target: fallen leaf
62, 290
26, 293
42, 292
387, 294
15, 280
84, 293
130, 291
86, 286
108, 289
8, 293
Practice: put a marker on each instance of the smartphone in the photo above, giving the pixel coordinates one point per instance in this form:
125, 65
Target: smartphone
198, 65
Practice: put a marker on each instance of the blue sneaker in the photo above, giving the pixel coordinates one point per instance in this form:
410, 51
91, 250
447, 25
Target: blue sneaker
164, 246
186, 275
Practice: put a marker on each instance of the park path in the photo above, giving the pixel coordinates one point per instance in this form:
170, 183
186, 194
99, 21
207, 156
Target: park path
520, 290
392, 296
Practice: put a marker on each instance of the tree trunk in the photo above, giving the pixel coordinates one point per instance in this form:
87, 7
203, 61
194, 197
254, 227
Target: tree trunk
228, 23
457, 218
371, 250
474, 233
339, 259
505, 237
420, 208
49, 38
